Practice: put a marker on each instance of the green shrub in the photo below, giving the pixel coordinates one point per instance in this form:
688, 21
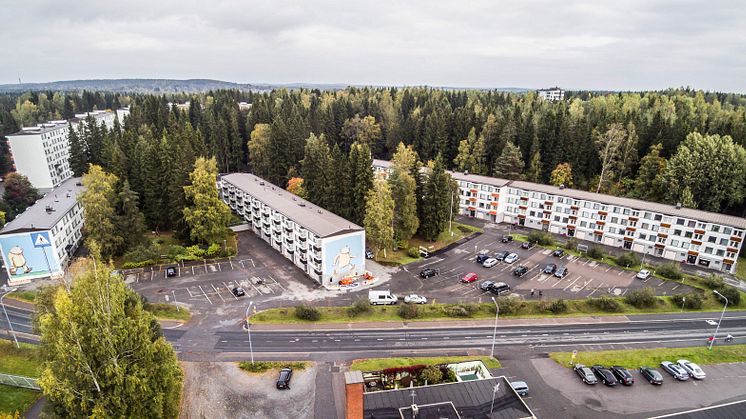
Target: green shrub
595, 252
558, 306
461, 310
413, 252
605, 303
309, 313
691, 301
409, 311
141, 253
134, 265
359, 307
540, 237
713, 282
262, 366
627, 259
571, 244
731, 293
432, 374
401, 244
213, 250
509, 305
644, 298
669, 271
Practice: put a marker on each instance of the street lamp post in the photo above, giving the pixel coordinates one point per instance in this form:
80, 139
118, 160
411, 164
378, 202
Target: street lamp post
712, 341
683, 301
450, 220
10, 326
494, 331
248, 330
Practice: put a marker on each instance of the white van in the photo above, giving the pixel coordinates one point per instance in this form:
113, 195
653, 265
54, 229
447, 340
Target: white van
382, 297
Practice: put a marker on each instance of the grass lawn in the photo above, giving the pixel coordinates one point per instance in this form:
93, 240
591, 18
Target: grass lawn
168, 311
27, 296
510, 308
377, 364
263, 366
400, 257
19, 361
636, 358
741, 268
16, 399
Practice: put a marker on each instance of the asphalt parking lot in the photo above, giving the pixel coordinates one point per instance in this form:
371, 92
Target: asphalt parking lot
586, 277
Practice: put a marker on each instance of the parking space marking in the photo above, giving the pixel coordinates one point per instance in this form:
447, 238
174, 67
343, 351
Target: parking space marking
230, 290
217, 292
571, 283
620, 273
584, 285
662, 282
596, 289
277, 283
205, 294
608, 269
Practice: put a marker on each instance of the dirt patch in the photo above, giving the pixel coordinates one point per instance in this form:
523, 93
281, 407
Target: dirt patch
222, 390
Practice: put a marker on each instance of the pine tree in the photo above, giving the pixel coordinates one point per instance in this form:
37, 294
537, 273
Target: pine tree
130, 221
318, 180
361, 178
510, 163
648, 184
438, 189
379, 216
403, 191
533, 174
78, 151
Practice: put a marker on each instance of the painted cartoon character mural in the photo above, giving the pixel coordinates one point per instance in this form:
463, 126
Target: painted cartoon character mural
343, 263
17, 261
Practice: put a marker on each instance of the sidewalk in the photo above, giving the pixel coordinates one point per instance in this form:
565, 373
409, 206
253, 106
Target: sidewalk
548, 321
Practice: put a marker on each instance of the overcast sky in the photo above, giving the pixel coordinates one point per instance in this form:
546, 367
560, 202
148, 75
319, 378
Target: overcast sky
595, 44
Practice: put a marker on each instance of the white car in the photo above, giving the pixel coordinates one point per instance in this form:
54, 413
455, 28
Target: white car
415, 299
692, 369
643, 274
489, 263
511, 258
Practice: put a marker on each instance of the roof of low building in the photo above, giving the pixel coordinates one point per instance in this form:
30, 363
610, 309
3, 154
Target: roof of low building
318, 220
471, 399
37, 217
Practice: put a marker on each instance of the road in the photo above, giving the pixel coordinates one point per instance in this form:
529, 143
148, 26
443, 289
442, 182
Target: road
689, 329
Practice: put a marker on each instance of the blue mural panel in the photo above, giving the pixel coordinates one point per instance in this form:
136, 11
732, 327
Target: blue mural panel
28, 255
343, 257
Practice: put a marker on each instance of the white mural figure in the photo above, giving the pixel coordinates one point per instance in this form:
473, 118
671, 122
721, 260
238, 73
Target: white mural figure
17, 261
343, 262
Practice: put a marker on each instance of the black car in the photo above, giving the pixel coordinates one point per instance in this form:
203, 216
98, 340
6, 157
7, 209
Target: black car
585, 374
520, 271
550, 269
283, 381
485, 285
558, 253
604, 375
499, 288
561, 272
507, 239
170, 271
652, 375
427, 273
527, 245
482, 258
238, 291
501, 255
622, 375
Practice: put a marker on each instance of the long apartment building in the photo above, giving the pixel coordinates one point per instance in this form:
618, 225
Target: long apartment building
41, 241
324, 245
694, 237
42, 152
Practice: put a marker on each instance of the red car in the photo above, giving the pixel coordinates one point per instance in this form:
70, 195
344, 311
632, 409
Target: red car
470, 277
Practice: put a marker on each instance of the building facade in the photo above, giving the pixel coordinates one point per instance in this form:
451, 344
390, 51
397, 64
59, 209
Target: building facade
693, 237
42, 152
554, 94
41, 241
324, 245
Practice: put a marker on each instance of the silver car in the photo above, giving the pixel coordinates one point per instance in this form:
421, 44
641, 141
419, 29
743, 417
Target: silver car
692, 369
489, 263
511, 258
675, 370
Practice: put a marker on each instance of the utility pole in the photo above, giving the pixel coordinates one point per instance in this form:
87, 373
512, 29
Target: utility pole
712, 341
450, 220
248, 330
10, 325
494, 331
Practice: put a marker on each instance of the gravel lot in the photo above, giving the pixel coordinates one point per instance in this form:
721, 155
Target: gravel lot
222, 390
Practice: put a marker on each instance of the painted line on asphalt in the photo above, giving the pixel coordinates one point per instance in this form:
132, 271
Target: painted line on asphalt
230, 290
204, 293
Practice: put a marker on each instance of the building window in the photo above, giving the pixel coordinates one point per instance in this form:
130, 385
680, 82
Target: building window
691, 224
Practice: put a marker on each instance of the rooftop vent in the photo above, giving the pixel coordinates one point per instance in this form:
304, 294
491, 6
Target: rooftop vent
56, 199
320, 212
678, 205
466, 172
78, 183
295, 199
68, 195
49, 208
302, 204
261, 183
562, 186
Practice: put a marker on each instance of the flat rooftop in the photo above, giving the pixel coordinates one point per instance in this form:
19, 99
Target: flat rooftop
466, 399
53, 125
690, 213
36, 217
318, 220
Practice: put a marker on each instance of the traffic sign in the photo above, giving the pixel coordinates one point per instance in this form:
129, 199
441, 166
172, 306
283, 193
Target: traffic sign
41, 239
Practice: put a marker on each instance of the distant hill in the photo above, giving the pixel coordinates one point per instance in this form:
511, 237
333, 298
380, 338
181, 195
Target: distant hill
191, 85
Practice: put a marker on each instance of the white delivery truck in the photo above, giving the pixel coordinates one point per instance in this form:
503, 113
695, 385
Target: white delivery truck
381, 297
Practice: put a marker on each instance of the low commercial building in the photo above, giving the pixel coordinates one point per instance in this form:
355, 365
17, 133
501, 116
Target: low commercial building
324, 245
41, 241
686, 235
552, 94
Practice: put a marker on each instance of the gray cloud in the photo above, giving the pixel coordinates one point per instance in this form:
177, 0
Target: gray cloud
630, 44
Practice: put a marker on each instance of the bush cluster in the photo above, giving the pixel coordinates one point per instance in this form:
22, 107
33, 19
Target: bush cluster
571, 244
644, 298
409, 311
413, 252
509, 305
731, 293
595, 252
309, 313
262, 366
691, 301
145, 255
359, 307
544, 239
605, 303
627, 259
432, 374
461, 310
713, 282
558, 306
669, 271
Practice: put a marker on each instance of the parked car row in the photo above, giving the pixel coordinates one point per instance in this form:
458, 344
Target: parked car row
498, 288
488, 261
611, 376
385, 297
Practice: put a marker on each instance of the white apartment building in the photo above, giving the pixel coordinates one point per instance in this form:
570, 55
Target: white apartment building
324, 245
553, 94
686, 235
42, 152
40, 242
122, 112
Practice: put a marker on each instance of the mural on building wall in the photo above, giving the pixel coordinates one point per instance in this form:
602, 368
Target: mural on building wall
28, 256
343, 257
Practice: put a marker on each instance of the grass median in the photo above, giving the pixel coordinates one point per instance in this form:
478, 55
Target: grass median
18, 361
264, 366
400, 257
635, 358
378, 364
165, 311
